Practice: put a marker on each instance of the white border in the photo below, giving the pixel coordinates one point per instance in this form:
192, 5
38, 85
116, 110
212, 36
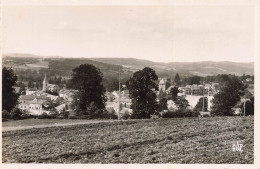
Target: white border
255, 3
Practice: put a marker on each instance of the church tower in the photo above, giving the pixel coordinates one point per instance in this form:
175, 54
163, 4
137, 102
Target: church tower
162, 85
44, 84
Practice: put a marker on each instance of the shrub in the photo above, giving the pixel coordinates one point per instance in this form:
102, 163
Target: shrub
16, 113
27, 116
180, 113
44, 116
126, 115
73, 117
5, 115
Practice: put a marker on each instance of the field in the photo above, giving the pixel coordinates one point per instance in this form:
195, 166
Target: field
40, 123
180, 140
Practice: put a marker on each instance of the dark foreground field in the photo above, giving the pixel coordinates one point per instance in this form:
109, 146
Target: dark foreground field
186, 140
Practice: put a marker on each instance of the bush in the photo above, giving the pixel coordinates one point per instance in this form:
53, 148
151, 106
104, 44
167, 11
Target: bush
73, 117
180, 113
54, 115
27, 116
16, 114
126, 115
65, 114
44, 116
5, 115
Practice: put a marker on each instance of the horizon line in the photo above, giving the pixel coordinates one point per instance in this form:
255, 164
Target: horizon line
67, 57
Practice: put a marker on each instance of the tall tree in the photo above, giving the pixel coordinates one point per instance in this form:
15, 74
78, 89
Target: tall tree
199, 105
168, 83
192, 80
163, 104
181, 102
87, 79
177, 79
162, 95
9, 97
174, 93
142, 88
228, 96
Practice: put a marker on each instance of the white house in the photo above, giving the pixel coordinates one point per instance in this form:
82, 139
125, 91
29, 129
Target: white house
171, 105
31, 91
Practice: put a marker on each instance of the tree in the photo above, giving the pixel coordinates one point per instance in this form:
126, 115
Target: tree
192, 80
199, 105
181, 102
9, 97
16, 113
177, 79
174, 92
249, 107
142, 88
163, 104
87, 79
228, 96
111, 84
162, 95
168, 83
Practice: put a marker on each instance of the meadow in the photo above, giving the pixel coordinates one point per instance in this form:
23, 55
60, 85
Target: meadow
180, 140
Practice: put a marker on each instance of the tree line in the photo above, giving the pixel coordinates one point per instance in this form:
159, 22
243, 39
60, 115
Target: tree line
90, 99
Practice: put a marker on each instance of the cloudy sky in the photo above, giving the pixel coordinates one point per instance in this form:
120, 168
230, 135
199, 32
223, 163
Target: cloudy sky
163, 33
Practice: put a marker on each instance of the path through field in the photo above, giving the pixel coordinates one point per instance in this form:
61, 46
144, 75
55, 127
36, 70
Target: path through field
42, 123
180, 140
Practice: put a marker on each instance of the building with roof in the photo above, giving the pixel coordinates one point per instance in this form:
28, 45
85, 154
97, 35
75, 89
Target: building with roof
34, 107
30, 91
49, 87
162, 85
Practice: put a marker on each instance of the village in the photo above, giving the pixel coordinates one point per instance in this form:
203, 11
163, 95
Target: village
52, 98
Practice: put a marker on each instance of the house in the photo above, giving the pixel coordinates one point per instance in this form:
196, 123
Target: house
33, 104
237, 111
17, 89
28, 98
195, 89
30, 91
67, 93
249, 80
34, 107
53, 87
110, 96
125, 94
61, 107
116, 94
187, 89
126, 102
171, 105
112, 106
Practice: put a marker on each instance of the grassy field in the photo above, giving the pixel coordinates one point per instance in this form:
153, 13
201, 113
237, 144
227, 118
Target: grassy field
183, 140
39, 123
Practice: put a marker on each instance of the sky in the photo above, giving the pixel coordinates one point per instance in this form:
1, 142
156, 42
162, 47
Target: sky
162, 33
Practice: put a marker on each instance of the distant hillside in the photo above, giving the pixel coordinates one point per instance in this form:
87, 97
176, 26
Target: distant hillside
110, 66
204, 68
126, 61
213, 68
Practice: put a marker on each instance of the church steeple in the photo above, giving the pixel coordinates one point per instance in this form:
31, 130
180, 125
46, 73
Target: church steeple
44, 84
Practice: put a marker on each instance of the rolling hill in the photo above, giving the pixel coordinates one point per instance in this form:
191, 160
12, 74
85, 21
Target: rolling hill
111, 66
